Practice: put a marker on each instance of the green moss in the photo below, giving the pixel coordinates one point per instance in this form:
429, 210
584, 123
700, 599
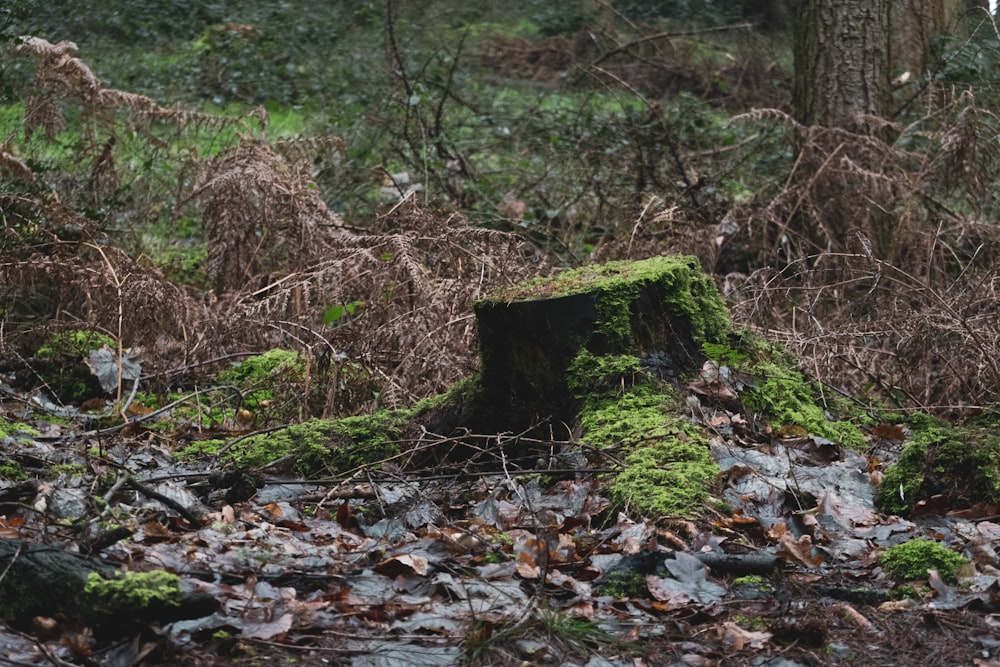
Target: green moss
262, 366
200, 449
68, 469
589, 372
912, 559
74, 344
787, 398
465, 392
14, 429
685, 287
668, 466
756, 623
260, 378
12, 471
753, 580
640, 413
132, 591
960, 462
326, 445
624, 584
668, 476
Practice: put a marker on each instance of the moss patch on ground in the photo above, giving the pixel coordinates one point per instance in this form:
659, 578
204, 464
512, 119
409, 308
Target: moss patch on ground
13, 429
785, 397
270, 382
668, 465
911, 560
12, 471
961, 462
325, 446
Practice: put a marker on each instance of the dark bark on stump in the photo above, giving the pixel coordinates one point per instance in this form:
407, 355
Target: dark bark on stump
655, 310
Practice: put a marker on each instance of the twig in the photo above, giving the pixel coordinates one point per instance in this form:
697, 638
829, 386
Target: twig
188, 367
149, 492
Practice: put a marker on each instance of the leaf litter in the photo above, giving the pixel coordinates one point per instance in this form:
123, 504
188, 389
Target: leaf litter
502, 568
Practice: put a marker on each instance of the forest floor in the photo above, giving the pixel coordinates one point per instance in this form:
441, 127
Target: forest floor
570, 148
526, 563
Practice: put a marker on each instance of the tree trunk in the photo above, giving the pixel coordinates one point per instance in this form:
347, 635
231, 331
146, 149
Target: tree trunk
914, 24
42, 580
841, 62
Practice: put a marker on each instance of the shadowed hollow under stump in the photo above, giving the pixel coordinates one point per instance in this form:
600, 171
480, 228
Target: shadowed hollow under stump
536, 335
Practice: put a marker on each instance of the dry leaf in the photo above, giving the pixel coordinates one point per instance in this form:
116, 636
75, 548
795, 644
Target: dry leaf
799, 550
736, 638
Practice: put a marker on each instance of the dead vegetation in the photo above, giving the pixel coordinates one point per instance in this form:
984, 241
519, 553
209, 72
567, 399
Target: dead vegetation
886, 266
277, 256
874, 258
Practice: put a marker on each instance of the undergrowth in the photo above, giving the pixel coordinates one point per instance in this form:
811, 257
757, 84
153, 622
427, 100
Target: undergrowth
500, 144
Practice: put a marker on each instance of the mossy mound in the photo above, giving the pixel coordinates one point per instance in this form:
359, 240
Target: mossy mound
783, 395
325, 446
961, 462
334, 446
604, 348
133, 591
911, 560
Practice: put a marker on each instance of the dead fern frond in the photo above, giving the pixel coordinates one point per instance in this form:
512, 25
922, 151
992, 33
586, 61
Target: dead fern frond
262, 214
412, 282
14, 166
60, 77
303, 149
52, 272
883, 332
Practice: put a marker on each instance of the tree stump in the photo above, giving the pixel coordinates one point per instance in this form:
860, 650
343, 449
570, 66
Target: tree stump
659, 310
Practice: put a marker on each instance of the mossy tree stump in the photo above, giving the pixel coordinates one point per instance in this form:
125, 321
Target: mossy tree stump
537, 336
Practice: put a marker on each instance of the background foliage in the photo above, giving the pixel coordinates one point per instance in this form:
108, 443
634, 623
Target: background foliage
201, 178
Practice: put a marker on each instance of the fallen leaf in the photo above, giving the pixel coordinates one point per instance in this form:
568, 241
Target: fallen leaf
799, 550
526, 566
268, 631
402, 565
736, 638
689, 582
854, 616
104, 364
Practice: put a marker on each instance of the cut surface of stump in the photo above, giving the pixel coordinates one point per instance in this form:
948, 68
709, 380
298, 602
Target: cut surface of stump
659, 310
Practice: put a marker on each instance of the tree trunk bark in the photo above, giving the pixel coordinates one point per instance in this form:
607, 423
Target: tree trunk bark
841, 62
914, 24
